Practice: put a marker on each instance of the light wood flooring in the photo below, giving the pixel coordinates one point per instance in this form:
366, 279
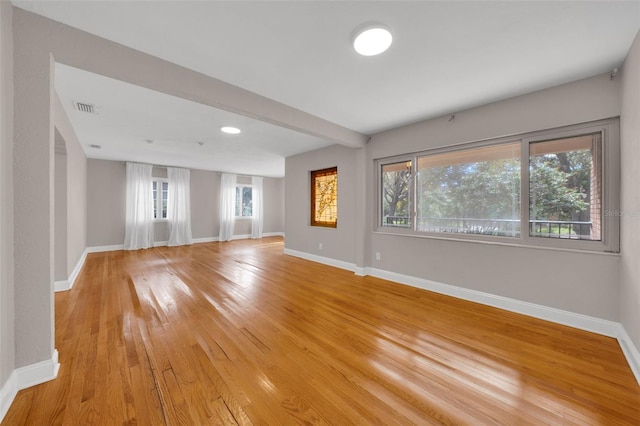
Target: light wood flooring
238, 332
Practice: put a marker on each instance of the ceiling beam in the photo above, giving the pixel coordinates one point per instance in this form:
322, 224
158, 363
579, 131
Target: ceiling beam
80, 49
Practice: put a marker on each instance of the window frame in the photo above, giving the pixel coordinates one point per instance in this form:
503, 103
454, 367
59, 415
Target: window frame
158, 202
610, 195
241, 186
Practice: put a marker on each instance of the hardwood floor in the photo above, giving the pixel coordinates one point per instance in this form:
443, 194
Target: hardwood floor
237, 332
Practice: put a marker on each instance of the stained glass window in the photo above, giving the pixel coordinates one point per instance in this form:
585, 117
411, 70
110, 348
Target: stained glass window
324, 197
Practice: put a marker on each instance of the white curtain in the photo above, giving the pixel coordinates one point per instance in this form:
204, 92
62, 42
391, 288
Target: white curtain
138, 232
257, 219
179, 207
227, 206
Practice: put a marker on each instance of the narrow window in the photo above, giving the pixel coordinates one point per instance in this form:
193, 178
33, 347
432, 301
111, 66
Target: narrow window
160, 193
565, 188
324, 197
165, 198
244, 201
155, 199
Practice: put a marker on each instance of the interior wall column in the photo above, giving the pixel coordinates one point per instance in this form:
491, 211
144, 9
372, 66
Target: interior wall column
33, 177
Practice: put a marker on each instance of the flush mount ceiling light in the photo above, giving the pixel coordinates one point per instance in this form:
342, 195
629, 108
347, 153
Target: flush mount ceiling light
230, 130
372, 40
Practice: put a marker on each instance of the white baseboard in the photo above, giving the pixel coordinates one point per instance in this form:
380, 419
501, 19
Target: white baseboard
320, 259
77, 269
248, 236
580, 321
65, 285
25, 377
62, 285
99, 249
273, 234
241, 237
630, 351
8, 393
359, 271
206, 240
40, 372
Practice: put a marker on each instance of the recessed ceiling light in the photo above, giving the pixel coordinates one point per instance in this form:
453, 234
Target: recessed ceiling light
230, 130
372, 40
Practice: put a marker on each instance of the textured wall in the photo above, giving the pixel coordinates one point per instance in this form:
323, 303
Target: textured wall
60, 230
337, 243
106, 196
273, 203
585, 283
33, 194
630, 194
75, 191
205, 216
7, 332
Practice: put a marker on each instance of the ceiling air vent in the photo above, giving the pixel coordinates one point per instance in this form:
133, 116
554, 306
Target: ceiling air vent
82, 107
95, 146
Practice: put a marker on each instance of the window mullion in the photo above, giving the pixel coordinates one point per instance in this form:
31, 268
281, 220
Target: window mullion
524, 190
414, 192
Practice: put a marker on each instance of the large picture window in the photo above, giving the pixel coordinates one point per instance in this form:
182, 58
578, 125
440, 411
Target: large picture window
472, 191
558, 183
324, 197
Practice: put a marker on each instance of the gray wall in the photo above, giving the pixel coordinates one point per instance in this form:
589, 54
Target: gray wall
60, 229
74, 231
7, 324
33, 191
577, 282
337, 243
106, 196
273, 202
630, 194
205, 215
106, 188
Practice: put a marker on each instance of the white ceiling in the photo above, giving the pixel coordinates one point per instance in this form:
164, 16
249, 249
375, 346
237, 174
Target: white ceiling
184, 133
446, 56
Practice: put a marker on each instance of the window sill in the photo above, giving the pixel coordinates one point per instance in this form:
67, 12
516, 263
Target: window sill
494, 243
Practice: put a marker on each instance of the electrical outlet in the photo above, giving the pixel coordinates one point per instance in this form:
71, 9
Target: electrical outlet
377, 255
320, 246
